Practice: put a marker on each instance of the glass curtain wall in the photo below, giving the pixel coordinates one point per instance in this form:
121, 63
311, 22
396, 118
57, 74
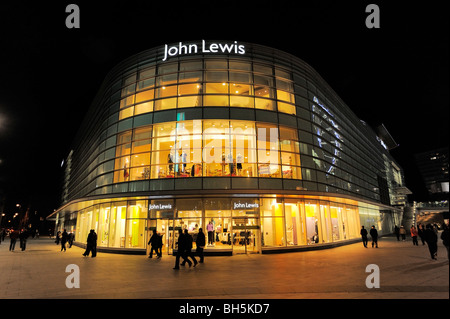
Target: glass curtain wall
208, 82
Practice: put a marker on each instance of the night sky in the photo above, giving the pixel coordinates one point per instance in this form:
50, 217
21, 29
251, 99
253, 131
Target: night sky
397, 75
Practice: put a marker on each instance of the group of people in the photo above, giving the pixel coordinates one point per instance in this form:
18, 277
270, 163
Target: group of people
184, 251
184, 247
64, 238
428, 235
14, 234
373, 235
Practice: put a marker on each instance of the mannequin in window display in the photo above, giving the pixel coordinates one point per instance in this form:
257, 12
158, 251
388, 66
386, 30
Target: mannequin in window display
170, 162
239, 160
183, 159
223, 164
230, 161
210, 230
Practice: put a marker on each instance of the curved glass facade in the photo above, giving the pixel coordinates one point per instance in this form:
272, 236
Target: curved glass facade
197, 133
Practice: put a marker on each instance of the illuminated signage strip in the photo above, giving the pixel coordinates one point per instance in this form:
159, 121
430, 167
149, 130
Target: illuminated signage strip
220, 48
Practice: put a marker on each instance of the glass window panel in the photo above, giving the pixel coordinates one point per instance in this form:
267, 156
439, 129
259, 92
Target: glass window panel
145, 96
282, 74
168, 68
190, 77
215, 100
286, 108
216, 64
260, 68
126, 101
164, 143
237, 65
241, 89
290, 159
136, 233
139, 173
141, 146
216, 76
241, 101
190, 101
143, 74
240, 77
288, 133
263, 80
191, 65
128, 89
284, 85
129, 80
264, 91
164, 129
125, 113
265, 104
215, 88
166, 79
285, 96
143, 133
143, 108
188, 89
145, 84
166, 91
117, 224
165, 104
141, 159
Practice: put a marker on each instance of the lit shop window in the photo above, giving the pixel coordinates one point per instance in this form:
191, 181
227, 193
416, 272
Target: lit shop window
207, 148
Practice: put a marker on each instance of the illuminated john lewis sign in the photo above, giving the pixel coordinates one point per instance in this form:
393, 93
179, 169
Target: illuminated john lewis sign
205, 47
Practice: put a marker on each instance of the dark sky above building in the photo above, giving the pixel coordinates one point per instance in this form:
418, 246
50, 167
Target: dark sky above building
397, 75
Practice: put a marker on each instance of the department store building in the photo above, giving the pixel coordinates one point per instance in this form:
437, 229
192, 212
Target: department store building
247, 142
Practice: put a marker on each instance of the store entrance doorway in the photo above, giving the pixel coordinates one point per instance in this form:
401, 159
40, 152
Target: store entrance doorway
246, 235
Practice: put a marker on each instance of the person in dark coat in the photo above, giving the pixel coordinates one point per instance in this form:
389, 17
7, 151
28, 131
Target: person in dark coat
181, 251
397, 232
64, 239
155, 243
421, 233
363, 233
201, 242
71, 239
431, 239
23, 236
374, 235
188, 249
444, 237
13, 235
91, 244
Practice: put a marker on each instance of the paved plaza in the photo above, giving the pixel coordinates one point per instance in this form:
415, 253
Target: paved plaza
406, 272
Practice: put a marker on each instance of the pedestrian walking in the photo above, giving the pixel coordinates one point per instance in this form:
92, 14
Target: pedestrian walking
58, 237
421, 234
71, 239
402, 232
23, 236
397, 232
64, 238
155, 243
364, 236
13, 235
444, 237
431, 240
181, 250
188, 249
91, 244
414, 234
3, 234
374, 235
201, 242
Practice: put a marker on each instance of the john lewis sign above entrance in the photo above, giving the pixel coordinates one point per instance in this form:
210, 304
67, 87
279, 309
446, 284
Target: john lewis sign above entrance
204, 47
